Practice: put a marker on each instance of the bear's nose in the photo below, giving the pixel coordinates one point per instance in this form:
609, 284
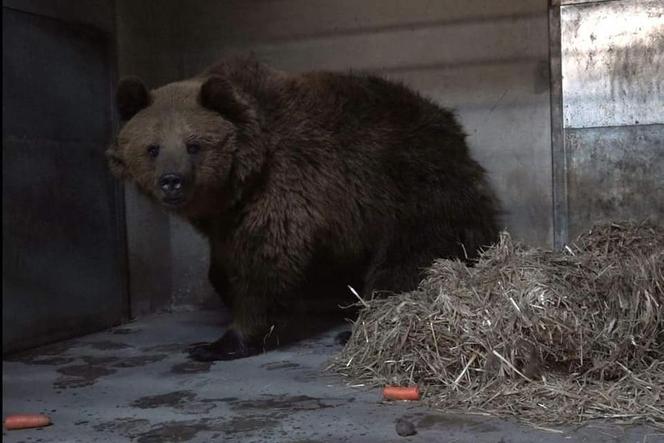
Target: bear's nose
171, 183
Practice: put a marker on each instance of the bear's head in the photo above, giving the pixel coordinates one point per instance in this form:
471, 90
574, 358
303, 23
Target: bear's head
185, 142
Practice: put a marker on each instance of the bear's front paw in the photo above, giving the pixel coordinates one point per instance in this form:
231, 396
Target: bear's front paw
229, 347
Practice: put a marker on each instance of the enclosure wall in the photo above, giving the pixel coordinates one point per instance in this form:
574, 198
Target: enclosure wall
612, 111
63, 268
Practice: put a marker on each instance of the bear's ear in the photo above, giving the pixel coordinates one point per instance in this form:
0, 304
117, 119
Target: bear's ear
115, 162
131, 96
218, 94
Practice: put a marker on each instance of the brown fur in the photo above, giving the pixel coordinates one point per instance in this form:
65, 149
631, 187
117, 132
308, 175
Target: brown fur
305, 184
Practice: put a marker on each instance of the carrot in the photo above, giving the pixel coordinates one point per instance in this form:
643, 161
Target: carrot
26, 421
401, 393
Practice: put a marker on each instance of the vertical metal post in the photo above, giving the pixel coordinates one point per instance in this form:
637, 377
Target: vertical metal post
119, 192
558, 154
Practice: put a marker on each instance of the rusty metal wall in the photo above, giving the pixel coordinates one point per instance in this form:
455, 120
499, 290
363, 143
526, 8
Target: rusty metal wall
612, 60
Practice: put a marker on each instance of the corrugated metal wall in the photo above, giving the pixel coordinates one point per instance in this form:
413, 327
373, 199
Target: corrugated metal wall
488, 60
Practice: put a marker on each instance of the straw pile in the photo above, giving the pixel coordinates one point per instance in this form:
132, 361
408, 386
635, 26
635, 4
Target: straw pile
550, 337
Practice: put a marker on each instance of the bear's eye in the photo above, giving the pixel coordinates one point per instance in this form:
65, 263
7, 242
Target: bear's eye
193, 148
153, 151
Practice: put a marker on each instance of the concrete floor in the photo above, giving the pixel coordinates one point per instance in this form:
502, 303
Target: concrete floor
134, 383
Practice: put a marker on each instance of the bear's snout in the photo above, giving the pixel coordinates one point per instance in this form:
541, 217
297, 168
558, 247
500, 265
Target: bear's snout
172, 186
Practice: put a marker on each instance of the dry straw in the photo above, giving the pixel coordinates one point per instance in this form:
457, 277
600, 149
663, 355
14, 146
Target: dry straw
546, 336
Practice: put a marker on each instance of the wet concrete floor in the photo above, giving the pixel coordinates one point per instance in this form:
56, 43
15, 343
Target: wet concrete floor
134, 383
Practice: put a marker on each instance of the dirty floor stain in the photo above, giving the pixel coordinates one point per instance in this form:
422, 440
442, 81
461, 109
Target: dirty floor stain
280, 365
106, 345
139, 360
172, 399
191, 367
172, 432
77, 376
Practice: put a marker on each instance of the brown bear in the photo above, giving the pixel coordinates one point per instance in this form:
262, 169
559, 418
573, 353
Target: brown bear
304, 185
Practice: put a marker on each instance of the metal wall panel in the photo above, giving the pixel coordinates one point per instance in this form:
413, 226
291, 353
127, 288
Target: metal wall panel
63, 245
612, 89
612, 63
615, 174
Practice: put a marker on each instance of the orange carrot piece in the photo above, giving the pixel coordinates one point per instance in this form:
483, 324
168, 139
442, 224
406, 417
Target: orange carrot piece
26, 421
401, 393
